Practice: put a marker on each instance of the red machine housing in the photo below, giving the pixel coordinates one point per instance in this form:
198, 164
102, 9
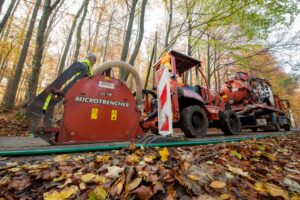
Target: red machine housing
99, 109
253, 100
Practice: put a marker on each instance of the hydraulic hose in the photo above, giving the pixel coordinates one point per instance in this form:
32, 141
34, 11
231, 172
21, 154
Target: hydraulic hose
123, 65
109, 147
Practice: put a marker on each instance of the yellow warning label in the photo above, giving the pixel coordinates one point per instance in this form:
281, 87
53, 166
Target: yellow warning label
114, 115
94, 113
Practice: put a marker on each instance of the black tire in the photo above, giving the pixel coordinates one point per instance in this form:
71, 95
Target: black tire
276, 126
287, 127
194, 122
254, 129
230, 123
154, 131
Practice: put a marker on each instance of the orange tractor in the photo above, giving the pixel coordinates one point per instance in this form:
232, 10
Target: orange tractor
103, 109
255, 104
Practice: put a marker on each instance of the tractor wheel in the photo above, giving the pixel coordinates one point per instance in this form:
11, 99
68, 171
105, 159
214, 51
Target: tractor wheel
194, 122
230, 123
254, 129
275, 122
154, 131
287, 127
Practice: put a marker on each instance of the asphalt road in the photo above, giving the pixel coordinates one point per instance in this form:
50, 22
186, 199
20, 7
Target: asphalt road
17, 143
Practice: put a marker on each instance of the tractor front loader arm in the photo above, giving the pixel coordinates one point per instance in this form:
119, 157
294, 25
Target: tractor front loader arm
39, 110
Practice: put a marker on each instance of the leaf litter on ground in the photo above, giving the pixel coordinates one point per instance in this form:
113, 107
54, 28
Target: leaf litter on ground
252, 169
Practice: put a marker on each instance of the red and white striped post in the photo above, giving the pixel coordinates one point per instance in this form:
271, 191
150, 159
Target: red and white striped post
165, 126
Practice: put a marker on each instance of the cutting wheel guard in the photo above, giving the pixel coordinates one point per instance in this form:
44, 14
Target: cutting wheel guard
96, 109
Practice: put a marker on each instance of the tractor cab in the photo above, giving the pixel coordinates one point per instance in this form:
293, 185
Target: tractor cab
180, 66
184, 71
194, 107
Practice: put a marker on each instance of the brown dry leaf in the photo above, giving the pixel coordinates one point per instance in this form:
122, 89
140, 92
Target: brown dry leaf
143, 192
237, 171
114, 171
65, 183
90, 177
79, 158
98, 193
133, 158
131, 147
119, 186
236, 154
20, 184
217, 184
49, 175
271, 189
148, 159
185, 166
3, 158
63, 176
295, 197
133, 184
62, 157
4, 180
82, 186
103, 158
158, 187
194, 177
269, 156
64, 194
14, 169
225, 196
164, 154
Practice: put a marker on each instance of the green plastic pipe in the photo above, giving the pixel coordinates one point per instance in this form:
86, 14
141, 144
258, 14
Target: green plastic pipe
63, 150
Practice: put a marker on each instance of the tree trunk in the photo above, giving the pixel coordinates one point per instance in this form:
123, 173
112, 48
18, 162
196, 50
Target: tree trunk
169, 24
208, 61
1, 4
140, 37
95, 42
125, 48
152, 58
6, 29
52, 21
11, 91
79, 30
189, 50
107, 37
68, 43
215, 69
39, 49
7, 14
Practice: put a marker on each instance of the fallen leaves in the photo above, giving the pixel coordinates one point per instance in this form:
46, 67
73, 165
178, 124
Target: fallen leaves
114, 171
90, 177
271, 189
237, 171
164, 154
98, 194
143, 192
63, 194
20, 184
13, 124
217, 184
236, 154
253, 169
62, 157
134, 184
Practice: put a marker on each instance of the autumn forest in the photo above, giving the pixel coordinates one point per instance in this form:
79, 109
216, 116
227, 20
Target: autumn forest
39, 39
